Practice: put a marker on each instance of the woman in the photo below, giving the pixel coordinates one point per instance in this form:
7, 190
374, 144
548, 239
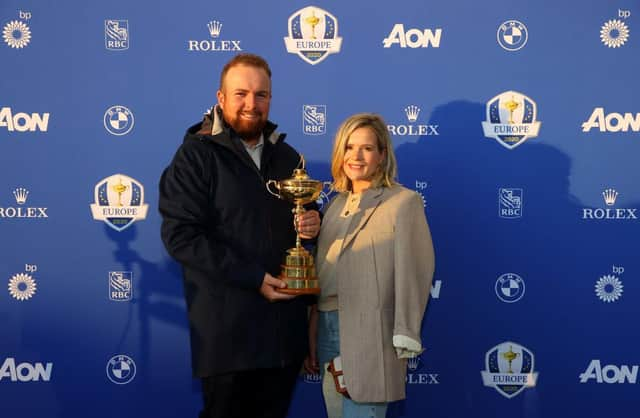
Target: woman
375, 264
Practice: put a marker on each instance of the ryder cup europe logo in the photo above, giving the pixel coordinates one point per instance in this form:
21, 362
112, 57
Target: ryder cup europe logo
313, 34
509, 369
118, 120
511, 119
119, 202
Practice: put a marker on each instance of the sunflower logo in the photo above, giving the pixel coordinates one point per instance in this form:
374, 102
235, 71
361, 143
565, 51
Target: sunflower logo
614, 33
424, 201
16, 34
609, 288
22, 286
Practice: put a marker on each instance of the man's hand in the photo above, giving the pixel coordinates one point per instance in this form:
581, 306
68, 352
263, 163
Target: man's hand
269, 286
308, 224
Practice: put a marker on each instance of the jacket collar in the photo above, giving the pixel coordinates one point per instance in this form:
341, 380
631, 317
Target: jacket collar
214, 125
214, 129
368, 204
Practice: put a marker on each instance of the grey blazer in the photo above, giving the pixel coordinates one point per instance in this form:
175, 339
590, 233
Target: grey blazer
384, 274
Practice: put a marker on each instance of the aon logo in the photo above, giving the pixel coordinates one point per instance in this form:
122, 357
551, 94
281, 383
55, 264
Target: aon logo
613, 122
23, 122
25, 372
413, 38
609, 373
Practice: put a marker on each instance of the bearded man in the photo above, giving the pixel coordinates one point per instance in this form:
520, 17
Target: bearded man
230, 235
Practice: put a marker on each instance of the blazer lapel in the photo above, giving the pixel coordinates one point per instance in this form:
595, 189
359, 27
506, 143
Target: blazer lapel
370, 201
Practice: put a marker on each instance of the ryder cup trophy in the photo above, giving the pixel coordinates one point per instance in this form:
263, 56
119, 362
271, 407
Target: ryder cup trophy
298, 270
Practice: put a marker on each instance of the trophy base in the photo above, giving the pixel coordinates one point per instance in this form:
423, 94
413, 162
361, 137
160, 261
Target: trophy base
300, 287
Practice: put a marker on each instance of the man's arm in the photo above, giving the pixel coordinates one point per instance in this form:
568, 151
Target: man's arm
186, 226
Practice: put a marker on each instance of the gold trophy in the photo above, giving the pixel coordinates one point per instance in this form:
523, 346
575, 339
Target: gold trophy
511, 106
313, 21
119, 188
510, 356
298, 270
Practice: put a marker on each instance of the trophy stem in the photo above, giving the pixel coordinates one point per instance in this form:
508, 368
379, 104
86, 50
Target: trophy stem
298, 210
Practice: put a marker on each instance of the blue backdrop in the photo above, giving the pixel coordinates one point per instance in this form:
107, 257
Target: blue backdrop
516, 121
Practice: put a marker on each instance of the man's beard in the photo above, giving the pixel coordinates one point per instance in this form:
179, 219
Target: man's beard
247, 129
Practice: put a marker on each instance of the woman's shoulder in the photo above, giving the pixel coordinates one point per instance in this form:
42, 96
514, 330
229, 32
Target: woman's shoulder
398, 191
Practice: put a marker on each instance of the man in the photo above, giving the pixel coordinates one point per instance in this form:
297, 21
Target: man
247, 340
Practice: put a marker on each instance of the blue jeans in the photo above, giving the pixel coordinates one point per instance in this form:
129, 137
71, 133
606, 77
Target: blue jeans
329, 348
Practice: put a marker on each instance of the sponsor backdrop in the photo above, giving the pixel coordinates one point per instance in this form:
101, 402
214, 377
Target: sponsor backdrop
518, 123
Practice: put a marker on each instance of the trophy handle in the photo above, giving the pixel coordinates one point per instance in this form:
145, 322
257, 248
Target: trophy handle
274, 182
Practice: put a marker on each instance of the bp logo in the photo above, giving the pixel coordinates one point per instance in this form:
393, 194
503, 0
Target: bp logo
511, 119
22, 286
509, 369
119, 201
16, 34
121, 369
313, 34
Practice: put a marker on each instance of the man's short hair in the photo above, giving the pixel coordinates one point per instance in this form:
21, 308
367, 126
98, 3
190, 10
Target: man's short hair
250, 60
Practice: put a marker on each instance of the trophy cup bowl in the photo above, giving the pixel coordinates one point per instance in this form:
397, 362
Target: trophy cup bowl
298, 270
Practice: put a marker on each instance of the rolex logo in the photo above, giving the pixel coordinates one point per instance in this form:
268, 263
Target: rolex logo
411, 128
214, 28
21, 195
412, 112
413, 363
610, 196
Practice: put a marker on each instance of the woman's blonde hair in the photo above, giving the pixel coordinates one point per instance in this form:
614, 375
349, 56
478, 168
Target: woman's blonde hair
386, 174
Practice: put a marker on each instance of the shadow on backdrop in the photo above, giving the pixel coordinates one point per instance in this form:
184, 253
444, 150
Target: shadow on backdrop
463, 172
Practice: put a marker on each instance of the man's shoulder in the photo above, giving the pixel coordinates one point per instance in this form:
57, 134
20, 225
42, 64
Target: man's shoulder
286, 152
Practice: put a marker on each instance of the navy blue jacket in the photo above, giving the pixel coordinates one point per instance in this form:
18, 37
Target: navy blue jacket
226, 230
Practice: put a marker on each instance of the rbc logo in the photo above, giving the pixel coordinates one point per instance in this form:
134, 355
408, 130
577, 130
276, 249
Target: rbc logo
314, 119
510, 203
120, 286
312, 378
116, 34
